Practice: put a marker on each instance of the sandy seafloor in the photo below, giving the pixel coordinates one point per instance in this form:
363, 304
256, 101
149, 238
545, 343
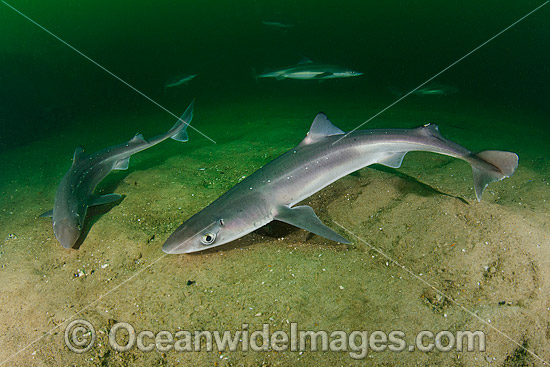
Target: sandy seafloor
491, 258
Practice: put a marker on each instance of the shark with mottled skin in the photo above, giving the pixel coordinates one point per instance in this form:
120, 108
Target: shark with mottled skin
75, 192
325, 155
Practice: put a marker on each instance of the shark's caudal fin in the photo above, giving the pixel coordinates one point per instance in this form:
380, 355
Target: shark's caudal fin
185, 120
505, 164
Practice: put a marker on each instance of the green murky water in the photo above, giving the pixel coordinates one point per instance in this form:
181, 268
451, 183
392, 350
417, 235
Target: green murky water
491, 258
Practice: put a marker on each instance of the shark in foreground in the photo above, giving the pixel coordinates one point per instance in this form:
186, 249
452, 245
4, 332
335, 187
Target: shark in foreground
308, 70
75, 192
321, 158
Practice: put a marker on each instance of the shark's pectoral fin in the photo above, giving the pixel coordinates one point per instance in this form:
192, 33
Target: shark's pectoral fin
46, 214
104, 199
393, 160
304, 217
323, 76
123, 164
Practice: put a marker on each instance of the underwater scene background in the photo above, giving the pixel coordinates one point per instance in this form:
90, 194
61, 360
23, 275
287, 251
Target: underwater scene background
428, 256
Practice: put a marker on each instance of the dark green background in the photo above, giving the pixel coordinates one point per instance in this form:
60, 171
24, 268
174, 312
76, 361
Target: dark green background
44, 86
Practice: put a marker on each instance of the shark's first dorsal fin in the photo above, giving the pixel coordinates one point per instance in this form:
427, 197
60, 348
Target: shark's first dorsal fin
305, 60
321, 128
78, 154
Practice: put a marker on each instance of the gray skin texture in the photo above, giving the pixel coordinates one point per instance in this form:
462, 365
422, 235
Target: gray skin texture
323, 157
308, 70
75, 192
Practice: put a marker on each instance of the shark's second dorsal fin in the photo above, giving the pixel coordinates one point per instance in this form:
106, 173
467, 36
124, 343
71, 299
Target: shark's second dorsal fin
431, 130
138, 139
321, 128
78, 154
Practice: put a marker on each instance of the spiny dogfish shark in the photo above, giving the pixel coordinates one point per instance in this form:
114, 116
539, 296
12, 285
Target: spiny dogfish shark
75, 192
323, 157
308, 70
430, 89
179, 80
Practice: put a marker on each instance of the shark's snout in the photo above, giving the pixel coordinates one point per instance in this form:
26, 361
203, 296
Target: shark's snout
66, 233
178, 243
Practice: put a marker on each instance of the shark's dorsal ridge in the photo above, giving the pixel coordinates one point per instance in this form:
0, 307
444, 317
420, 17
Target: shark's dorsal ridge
305, 60
321, 128
78, 154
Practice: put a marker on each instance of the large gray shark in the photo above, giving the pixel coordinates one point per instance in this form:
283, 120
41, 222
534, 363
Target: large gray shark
323, 157
75, 192
308, 70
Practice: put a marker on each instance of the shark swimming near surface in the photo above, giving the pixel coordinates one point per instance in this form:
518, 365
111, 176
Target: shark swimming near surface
324, 155
75, 192
308, 70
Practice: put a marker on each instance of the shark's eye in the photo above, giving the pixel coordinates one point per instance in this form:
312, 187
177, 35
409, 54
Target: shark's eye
208, 238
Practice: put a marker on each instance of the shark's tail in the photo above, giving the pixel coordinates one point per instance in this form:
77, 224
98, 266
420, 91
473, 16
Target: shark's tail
504, 164
180, 127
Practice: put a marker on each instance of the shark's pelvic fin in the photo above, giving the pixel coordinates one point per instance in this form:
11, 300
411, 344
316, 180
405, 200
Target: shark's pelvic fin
184, 119
393, 160
104, 199
46, 214
505, 164
304, 217
122, 164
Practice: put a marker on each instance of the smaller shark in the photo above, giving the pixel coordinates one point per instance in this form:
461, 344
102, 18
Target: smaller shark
308, 70
277, 25
178, 80
75, 192
430, 89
